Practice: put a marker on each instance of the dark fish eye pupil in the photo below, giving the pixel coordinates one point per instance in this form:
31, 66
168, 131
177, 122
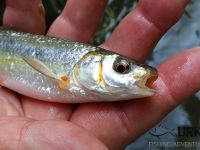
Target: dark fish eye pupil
121, 67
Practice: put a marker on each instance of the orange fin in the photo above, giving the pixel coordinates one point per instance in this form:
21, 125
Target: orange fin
64, 82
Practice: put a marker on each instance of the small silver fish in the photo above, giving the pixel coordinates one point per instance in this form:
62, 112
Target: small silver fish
52, 69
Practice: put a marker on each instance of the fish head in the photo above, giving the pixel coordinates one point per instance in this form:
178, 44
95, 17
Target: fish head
115, 77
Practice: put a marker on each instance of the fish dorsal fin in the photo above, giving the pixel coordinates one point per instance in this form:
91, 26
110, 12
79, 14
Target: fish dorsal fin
39, 66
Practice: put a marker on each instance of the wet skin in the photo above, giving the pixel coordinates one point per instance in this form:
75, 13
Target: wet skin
31, 124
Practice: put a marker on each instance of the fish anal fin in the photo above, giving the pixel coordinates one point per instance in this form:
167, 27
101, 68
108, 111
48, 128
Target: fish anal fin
39, 66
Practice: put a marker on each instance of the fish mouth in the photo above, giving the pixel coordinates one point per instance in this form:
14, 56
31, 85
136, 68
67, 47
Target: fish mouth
147, 81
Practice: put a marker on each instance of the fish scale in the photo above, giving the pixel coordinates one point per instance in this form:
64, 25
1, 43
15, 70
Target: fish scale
71, 84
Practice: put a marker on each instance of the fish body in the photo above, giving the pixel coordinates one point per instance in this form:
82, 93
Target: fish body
52, 69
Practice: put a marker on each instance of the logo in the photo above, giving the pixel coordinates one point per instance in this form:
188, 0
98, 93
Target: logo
187, 131
180, 131
162, 130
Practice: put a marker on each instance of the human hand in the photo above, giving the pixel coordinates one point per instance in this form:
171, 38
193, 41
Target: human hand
26, 123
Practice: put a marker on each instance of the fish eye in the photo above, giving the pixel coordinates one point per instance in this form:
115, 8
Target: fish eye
121, 66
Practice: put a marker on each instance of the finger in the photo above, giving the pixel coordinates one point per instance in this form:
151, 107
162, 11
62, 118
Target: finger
27, 16
42, 110
29, 134
117, 124
142, 28
78, 21
9, 104
71, 27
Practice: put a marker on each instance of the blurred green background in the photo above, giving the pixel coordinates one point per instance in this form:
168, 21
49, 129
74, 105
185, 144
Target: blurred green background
114, 12
183, 35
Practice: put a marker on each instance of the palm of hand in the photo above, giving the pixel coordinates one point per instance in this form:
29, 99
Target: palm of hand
34, 124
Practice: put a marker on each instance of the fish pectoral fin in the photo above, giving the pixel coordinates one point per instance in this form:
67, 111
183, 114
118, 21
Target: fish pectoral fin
64, 82
40, 67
